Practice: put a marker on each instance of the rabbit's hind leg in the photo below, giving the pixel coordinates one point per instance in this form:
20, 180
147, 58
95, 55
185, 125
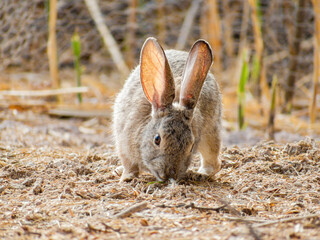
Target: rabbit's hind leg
209, 147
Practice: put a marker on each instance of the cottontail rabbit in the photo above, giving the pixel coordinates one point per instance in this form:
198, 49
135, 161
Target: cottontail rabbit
169, 109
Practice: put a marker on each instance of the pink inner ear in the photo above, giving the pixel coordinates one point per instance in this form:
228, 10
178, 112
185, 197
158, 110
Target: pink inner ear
152, 70
189, 96
155, 73
195, 72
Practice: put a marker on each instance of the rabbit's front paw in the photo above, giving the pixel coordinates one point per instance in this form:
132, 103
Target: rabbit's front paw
126, 176
206, 170
197, 176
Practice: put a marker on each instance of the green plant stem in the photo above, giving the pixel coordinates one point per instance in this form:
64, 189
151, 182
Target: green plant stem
76, 47
242, 88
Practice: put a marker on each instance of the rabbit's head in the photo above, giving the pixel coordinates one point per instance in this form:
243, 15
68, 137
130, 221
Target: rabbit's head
168, 140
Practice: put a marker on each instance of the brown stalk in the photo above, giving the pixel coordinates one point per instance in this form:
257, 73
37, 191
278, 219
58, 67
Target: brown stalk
294, 50
204, 21
244, 27
316, 62
261, 87
228, 20
242, 43
258, 41
187, 24
161, 24
52, 45
131, 36
288, 9
129, 211
214, 32
107, 37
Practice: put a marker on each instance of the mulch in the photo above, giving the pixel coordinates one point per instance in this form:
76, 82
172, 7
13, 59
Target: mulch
57, 182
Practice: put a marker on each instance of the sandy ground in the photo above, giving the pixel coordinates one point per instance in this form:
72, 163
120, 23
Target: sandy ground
57, 182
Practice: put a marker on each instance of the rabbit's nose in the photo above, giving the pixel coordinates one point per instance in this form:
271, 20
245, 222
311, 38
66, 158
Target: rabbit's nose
163, 176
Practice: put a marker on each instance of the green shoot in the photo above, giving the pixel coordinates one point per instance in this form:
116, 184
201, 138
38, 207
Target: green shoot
242, 88
76, 47
154, 182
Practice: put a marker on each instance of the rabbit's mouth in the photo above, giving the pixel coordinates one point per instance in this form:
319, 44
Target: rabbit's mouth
156, 174
163, 177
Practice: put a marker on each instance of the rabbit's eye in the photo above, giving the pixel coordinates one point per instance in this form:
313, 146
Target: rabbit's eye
157, 140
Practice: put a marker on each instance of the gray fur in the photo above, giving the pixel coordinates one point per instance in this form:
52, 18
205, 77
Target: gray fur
134, 128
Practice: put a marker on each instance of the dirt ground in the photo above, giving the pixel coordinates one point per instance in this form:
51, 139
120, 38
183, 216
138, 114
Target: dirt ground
57, 182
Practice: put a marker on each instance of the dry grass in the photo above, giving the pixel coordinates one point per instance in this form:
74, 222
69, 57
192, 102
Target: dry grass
56, 182
316, 62
212, 31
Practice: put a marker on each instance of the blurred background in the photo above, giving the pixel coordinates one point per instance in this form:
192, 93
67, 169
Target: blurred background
70, 57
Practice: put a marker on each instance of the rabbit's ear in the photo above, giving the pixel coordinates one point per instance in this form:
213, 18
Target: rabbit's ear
155, 74
198, 64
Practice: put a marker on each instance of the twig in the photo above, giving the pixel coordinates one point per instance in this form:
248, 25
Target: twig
217, 209
109, 227
107, 37
306, 44
228, 206
170, 206
82, 195
240, 219
286, 220
187, 24
27, 231
191, 205
70, 112
135, 208
91, 228
234, 211
43, 93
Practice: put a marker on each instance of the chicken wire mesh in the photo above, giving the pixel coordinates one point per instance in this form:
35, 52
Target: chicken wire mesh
24, 32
